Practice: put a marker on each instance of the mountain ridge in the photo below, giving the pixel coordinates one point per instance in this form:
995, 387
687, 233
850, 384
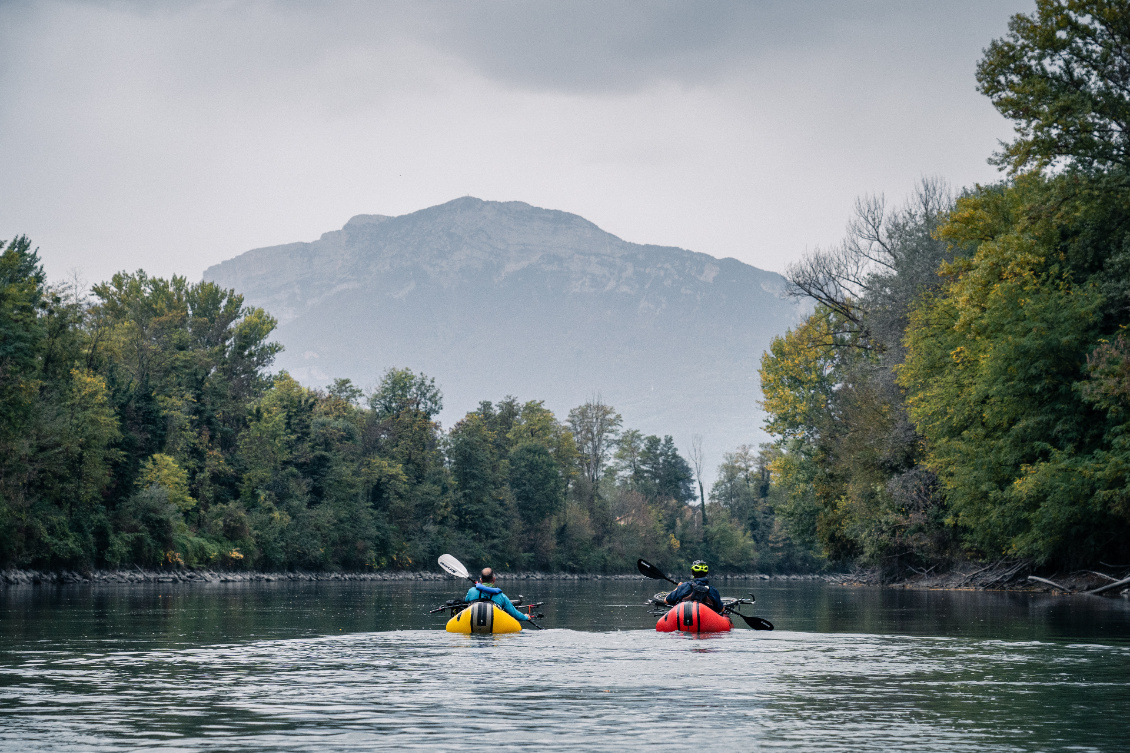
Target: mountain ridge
496, 298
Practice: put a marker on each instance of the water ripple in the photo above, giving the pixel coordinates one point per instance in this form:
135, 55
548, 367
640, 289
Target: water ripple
351, 668
564, 688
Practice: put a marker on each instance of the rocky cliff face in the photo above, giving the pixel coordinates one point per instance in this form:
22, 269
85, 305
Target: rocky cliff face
498, 298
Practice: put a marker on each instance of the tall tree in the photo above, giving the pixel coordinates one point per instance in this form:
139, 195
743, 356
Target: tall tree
1062, 75
697, 461
595, 427
537, 483
830, 388
402, 390
22, 297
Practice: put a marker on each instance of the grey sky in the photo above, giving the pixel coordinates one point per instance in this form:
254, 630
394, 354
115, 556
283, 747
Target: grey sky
176, 136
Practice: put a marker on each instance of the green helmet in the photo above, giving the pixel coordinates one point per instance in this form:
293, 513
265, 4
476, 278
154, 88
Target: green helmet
699, 568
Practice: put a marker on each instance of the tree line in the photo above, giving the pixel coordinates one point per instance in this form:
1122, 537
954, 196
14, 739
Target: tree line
962, 387
140, 425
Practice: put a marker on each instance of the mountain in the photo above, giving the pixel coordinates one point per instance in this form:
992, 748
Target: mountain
497, 298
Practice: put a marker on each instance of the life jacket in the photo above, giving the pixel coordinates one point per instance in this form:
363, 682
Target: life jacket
486, 592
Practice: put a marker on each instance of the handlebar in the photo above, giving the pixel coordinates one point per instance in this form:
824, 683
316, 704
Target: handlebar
451, 604
456, 605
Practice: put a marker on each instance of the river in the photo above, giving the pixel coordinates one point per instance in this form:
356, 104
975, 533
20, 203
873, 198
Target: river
359, 667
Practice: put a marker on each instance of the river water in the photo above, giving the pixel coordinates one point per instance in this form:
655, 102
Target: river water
359, 667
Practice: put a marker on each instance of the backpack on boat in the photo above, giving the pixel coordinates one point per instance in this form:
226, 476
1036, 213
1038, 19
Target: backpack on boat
700, 592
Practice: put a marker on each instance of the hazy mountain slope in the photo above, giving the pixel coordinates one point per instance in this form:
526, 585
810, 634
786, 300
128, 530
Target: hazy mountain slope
503, 298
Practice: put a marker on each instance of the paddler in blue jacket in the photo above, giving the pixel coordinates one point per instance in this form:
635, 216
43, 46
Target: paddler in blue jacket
484, 590
697, 589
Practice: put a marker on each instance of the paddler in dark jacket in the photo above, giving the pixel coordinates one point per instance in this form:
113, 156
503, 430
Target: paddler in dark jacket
698, 589
484, 590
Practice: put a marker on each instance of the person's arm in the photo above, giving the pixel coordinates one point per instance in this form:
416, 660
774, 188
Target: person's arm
717, 599
679, 592
510, 609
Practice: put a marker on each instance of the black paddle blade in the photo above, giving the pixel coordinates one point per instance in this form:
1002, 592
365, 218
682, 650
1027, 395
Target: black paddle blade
757, 623
649, 570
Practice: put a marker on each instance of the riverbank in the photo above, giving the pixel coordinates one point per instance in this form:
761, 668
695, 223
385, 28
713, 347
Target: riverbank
1000, 576
16, 577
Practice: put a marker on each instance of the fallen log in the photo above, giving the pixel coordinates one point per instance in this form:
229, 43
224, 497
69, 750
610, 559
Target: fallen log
1052, 583
1108, 587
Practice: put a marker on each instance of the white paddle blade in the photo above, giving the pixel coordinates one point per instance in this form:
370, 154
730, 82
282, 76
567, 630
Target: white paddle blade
453, 566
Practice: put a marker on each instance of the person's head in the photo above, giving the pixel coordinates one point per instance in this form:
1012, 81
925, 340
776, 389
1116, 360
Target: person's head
488, 575
699, 569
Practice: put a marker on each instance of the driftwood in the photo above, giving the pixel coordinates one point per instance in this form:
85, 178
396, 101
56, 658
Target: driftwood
1007, 575
1101, 575
1050, 583
1109, 586
969, 577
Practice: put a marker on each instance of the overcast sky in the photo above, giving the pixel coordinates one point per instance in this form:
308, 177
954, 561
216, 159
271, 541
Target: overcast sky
173, 136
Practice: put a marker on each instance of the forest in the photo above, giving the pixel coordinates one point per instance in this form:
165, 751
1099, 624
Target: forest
962, 388
142, 426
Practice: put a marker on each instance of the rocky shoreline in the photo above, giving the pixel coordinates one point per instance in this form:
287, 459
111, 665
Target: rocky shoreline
1014, 575
1001, 576
16, 577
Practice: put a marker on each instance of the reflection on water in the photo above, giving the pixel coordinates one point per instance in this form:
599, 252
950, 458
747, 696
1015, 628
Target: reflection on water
359, 666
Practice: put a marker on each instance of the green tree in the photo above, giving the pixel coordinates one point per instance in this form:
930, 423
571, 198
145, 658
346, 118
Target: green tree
1061, 76
481, 498
852, 469
665, 474
595, 428
799, 374
629, 448
536, 482
22, 297
742, 485
182, 362
996, 367
161, 470
402, 390
535, 423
